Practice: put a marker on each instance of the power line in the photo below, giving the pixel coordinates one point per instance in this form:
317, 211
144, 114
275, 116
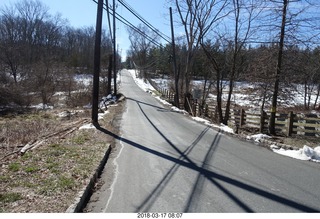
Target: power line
137, 15
129, 24
109, 22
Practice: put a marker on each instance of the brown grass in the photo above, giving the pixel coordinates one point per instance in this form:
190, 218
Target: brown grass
48, 178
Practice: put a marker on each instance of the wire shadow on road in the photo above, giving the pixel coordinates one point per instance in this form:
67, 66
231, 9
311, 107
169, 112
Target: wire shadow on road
149, 201
201, 175
184, 161
148, 104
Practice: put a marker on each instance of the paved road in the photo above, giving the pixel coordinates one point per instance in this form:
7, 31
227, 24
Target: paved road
165, 162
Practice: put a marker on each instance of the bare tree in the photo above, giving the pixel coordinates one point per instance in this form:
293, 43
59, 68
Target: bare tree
141, 46
297, 27
245, 13
12, 46
261, 66
196, 18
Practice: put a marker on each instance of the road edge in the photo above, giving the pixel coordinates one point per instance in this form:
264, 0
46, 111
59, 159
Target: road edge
83, 196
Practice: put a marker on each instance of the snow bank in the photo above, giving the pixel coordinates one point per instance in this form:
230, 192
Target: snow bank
161, 100
222, 127
305, 153
143, 84
198, 119
226, 128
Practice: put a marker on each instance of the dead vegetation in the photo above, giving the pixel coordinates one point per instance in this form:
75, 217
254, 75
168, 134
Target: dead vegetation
46, 160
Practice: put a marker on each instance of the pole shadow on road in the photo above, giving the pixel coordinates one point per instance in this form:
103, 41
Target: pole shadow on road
203, 173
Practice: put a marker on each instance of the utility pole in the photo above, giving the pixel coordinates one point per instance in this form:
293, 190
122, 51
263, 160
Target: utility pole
114, 49
272, 122
109, 75
176, 74
96, 68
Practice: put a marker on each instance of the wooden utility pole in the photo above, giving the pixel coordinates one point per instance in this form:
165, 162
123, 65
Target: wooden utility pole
109, 75
176, 73
272, 122
114, 49
96, 68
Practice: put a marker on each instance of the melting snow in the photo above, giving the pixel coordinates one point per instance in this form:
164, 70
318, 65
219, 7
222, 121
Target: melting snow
87, 126
305, 153
258, 137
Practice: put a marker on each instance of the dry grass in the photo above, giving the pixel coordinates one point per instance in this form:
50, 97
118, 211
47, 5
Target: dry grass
48, 178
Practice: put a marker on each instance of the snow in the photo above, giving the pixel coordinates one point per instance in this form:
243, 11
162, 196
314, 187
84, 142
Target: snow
305, 153
161, 100
41, 106
222, 127
176, 109
143, 84
247, 99
101, 115
258, 137
87, 126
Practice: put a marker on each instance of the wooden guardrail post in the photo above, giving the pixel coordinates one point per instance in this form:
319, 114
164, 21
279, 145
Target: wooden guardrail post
262, 119
242, 119
290, 124
195, 103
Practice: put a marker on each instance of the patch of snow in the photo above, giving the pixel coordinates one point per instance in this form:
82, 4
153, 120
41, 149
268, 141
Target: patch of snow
222, 127
85, 79
101, 115
42, 106
198, 119
258, 137
60, 93
87, 126
176, 109
226, 128
142, 83
88, 106
64, 114
305, 153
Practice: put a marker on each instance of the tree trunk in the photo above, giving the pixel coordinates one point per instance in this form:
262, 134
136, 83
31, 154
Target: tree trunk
317, 96
109, 75
272, 122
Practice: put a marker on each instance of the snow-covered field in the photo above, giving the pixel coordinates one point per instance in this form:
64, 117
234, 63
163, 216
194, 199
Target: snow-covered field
305, 153
248, 99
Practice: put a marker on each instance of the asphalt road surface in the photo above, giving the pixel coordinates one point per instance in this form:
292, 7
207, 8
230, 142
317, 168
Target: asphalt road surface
166, 162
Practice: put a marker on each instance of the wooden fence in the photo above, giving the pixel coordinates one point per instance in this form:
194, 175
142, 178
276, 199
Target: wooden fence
286, 123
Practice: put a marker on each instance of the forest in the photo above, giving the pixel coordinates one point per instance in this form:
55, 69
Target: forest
40, 53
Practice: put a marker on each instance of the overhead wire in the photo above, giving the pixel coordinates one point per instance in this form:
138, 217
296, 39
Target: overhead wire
129, 24
136, 14
109, 20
